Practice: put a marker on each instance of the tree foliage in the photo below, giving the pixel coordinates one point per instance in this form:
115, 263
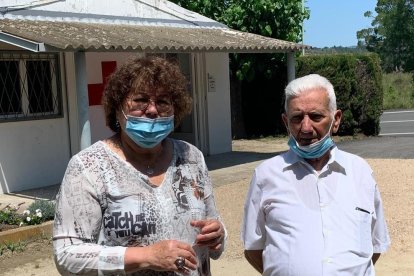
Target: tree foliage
391, 35
257, 80
277, 19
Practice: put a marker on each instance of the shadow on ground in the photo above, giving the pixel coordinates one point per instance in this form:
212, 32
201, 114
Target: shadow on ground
47, 193
380, 147
234, 158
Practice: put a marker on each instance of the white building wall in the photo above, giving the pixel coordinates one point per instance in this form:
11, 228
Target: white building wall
218, 102
33, 154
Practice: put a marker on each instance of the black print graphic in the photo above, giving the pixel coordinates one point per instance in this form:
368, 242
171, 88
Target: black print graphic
180, 181
126, 224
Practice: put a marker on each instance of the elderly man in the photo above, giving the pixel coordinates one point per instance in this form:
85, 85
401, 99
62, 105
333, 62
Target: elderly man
314, 210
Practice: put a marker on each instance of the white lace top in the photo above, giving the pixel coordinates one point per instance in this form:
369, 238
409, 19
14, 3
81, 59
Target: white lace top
105, 205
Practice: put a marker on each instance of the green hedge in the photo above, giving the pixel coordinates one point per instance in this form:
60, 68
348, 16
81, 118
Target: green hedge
357, 80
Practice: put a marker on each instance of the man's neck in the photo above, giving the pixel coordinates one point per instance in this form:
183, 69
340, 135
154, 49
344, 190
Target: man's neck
319, 163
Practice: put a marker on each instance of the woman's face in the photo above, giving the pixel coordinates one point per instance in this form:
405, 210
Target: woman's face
152, 104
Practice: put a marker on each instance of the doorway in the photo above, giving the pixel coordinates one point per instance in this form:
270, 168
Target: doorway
192, 127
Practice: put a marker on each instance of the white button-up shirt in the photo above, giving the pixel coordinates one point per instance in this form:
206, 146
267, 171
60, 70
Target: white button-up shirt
310, 223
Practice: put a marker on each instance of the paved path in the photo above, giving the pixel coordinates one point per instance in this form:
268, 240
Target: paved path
397, 123
382, 147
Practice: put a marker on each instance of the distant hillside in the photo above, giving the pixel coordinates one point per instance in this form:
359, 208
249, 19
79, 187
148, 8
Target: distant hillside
336, 50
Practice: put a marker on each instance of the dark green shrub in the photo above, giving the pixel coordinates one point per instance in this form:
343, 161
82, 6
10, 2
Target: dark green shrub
9, 215
348, 122
357, 80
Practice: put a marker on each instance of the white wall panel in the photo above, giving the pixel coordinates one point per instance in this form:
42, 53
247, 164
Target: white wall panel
33, 154
218, 102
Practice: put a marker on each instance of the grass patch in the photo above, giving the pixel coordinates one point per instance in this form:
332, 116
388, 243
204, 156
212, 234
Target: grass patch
12, 247
398, 91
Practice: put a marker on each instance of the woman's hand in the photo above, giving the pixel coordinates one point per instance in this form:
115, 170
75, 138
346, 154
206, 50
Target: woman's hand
211, 233
160, 256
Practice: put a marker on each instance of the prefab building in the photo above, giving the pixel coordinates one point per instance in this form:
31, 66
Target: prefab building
54, 60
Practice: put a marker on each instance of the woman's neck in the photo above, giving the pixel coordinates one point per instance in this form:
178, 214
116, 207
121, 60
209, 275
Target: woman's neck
135, 153
152, 162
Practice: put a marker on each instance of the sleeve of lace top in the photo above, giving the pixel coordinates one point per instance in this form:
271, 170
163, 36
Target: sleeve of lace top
77, 225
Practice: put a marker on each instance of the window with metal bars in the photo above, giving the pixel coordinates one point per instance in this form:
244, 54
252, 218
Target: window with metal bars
29, 86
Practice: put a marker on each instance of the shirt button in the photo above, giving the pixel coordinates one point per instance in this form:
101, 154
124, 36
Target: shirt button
327, 260
322, 205
325, 231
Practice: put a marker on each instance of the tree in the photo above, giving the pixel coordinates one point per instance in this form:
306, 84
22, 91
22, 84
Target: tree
391, 35
277, 19
257, 80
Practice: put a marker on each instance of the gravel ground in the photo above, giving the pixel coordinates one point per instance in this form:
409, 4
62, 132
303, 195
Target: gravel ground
395, 178
231, 176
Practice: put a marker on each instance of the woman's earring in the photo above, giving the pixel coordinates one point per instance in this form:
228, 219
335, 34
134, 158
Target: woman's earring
117, 125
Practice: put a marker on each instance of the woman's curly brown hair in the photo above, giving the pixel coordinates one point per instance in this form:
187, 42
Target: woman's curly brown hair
141, 74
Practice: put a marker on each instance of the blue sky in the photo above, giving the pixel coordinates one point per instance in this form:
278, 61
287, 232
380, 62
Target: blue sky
335, 22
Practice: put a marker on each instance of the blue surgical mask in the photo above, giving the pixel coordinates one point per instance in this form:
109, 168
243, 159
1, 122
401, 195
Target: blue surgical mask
314, 150
146, 132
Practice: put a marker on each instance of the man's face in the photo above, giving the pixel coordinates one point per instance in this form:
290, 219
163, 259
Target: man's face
308, 116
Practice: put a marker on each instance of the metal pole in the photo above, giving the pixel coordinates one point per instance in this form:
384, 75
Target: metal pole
303, 29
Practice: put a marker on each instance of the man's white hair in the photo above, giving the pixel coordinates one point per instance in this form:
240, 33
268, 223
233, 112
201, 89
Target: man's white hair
309, 82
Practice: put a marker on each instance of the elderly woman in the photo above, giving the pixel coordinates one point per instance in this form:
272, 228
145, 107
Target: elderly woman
139, 203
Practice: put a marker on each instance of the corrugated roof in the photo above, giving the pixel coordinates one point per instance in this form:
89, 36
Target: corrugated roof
80, 36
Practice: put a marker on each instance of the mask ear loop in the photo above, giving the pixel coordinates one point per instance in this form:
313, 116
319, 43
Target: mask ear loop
330, 127
287, 125
290, 133
288, 130
126, 118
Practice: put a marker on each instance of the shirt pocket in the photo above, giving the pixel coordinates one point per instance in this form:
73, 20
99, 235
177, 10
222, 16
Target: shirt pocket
364, 238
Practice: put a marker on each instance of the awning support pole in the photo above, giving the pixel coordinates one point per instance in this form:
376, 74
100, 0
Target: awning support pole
291, 66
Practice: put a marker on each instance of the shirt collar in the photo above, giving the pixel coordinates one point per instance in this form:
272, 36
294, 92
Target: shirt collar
336, 160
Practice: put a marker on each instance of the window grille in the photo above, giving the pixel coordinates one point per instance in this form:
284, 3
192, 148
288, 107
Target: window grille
29, 86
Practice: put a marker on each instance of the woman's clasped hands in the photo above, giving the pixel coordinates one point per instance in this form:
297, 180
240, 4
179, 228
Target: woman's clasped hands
178, 256
163, 256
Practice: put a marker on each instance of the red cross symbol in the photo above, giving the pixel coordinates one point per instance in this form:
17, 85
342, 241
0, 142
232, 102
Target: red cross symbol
95, 90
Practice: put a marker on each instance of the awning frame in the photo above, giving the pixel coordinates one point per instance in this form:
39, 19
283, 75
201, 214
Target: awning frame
22, 43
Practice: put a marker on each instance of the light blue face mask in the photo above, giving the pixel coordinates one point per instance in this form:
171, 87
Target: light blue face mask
146, 132
314, 150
